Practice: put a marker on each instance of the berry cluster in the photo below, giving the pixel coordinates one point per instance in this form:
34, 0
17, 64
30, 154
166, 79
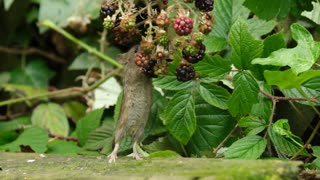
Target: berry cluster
160, 35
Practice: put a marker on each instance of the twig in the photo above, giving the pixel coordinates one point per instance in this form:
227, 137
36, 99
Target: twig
31, 51
314, 132
68, 92
225, 140
278, 98
69, 36
274, 104
64, 137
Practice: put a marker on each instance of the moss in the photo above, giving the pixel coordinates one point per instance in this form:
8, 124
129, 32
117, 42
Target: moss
63, 166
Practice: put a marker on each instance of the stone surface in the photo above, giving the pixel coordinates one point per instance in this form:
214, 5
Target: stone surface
35, 166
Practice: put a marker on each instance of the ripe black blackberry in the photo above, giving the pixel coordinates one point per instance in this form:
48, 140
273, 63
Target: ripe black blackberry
185, 72
107, 10
194, 58
149, 69
204, 5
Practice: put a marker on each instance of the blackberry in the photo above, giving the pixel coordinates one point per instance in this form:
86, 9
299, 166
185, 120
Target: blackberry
107, 10
162, 19
192, 57
141, 59
183, 25
204, 5
149, 69
185, 72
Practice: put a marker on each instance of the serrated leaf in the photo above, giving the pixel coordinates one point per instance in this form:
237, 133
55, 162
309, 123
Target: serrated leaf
15, 124
259, 27
213, 125
282, 144
106, 94
214, 95
87, 124
213, 67
63, 147
254, 125
52, 117
300, 58
100, 137
245, 94
288, 79
170, 82
179, 116
268, 9
263, 108
313, 15
225, 12
249, 147
34, 137
244, 47
282, 127
36, 74
154, 124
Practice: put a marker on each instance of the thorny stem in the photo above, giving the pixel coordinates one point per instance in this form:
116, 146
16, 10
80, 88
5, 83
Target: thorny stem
73, 91
69, 36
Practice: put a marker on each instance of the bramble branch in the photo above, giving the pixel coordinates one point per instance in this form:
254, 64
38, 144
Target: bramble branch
33, 51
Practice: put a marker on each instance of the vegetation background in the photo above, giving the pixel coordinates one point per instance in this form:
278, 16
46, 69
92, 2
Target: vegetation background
257, 95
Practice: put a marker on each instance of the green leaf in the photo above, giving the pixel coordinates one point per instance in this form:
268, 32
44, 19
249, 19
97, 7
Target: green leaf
179, 116
259, 27
309, 89
314, 14
272, 43
36, 74
282, 127
15, 124
7, 4
245, 94
244, 47
254, 125
281, 143
60, 12
249, 147
4, 77
164, 154
23, 90
100, 137
74, 109
34, 137
87, 124
300, 58
213, 125
154, 125
213, 66
269, 9
63, 147
316, 151
7, 137
263, 108
225, 12
52, 117
170, 82
288, 79
85, 61
214, 95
